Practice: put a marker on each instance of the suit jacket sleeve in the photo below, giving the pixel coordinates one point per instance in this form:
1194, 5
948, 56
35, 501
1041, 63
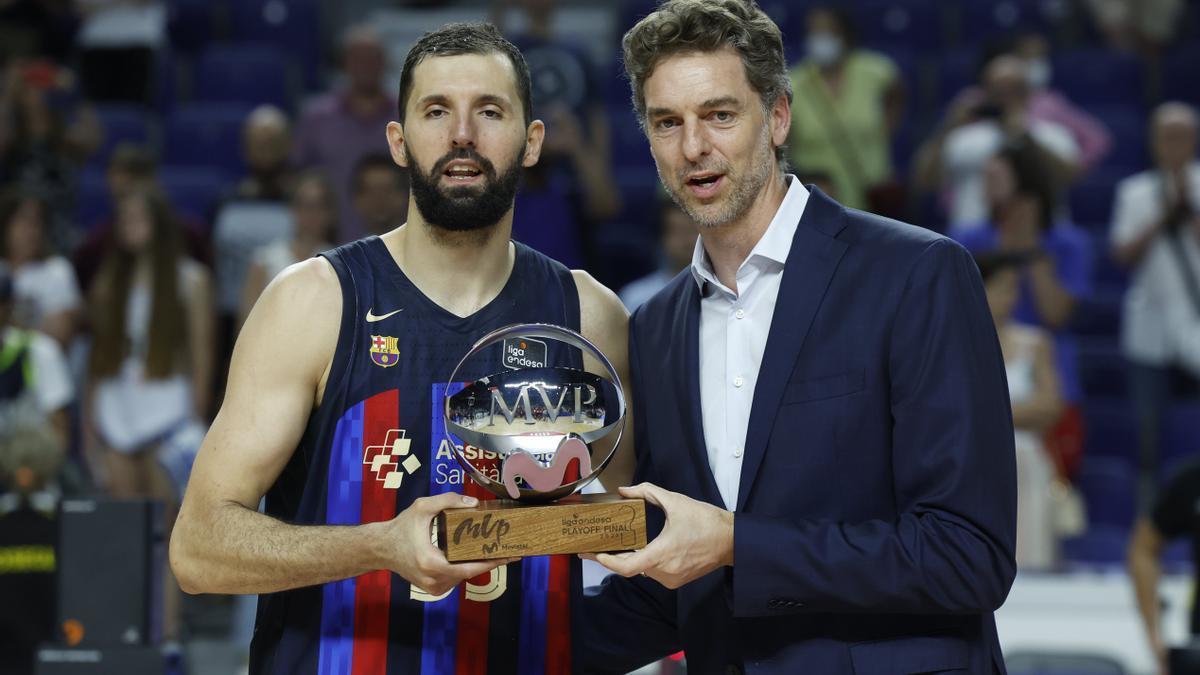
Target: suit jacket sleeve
951, 547
627, 623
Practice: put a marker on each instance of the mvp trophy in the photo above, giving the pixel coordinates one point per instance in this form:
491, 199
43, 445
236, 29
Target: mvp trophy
525, 438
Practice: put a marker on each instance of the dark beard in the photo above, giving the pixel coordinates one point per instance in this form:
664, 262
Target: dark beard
465, 209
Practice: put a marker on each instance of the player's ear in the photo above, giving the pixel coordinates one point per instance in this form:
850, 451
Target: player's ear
534, 135
395, 141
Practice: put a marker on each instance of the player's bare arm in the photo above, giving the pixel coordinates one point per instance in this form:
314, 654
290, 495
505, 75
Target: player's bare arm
604, 321
221, 543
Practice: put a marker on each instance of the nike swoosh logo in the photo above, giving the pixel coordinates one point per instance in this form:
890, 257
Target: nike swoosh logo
371, 318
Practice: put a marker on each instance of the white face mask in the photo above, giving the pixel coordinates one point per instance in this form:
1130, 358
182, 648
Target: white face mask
824, 48
1037, 73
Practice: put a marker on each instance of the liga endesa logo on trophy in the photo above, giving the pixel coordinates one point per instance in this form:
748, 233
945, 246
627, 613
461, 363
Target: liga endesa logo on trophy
542, 424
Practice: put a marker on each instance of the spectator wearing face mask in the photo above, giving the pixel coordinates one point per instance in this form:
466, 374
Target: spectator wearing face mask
955, 157
847, 103
1046, 104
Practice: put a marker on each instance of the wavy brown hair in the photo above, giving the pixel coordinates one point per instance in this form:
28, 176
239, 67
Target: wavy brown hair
686, 26
166, 334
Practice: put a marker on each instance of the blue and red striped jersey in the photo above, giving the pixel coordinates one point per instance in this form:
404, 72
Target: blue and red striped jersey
376, 443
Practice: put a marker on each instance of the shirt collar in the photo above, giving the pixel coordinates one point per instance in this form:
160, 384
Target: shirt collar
775, 243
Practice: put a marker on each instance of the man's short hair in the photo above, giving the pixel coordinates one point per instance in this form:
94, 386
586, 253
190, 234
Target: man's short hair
134, 160
465, 38
687, 26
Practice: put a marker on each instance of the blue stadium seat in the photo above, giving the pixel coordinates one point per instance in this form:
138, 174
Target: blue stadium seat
1108, 485
1179, 74
1100, 544
1111, 429
790, 16
1101, 367
242, 73
293, 26
957, 70
1098, 315
917, 23
1127, 123
630, 149
92, 202
194, 191
1091, 76
123, 123
1091, 199
1181, 431
206, 135
988, 20
189, 24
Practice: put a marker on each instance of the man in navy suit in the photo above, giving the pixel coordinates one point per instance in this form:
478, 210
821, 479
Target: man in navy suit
822, 411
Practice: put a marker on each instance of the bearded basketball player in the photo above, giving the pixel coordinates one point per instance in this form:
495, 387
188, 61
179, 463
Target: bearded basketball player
333, 408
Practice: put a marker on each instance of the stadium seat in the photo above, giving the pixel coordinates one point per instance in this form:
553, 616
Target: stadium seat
1105, 272
1099, 545
293, 26
206, 135
92, 200
189, 24
1091, 199
1101, 367
1108, 485
194, 191
917, 23
1112, 429
1127, 124
1091, 76
630, 150
957, 70
1181, 432
1179, 74
242, 73
1098, 315
122, 123
981, 21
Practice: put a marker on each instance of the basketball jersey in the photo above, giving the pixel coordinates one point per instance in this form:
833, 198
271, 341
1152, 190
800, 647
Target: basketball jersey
376, 443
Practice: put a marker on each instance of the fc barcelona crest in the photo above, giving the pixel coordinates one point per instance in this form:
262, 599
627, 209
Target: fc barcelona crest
384, 351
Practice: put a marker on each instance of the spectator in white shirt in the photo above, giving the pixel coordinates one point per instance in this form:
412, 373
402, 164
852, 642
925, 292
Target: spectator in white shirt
1156, 234
953, 160
46, 291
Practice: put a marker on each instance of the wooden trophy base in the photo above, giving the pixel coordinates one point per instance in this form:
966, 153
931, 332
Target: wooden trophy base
501, 528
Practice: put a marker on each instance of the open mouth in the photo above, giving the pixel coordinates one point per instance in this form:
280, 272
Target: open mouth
462, 172
704, 184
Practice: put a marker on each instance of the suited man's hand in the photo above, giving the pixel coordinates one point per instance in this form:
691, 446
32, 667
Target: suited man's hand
697, 539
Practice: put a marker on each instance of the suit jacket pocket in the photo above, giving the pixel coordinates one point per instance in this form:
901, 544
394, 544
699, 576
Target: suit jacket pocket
904, 656
829, 386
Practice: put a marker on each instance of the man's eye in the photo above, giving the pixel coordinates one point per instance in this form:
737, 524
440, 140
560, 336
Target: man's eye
436, 112
491, 114
723, 116
665, 124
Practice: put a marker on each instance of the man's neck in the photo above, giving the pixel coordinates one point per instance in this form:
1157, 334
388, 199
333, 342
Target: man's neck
730, 244
459, 271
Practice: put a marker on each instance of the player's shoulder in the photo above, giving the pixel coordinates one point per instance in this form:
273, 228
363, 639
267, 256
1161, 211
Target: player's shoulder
596, 299
305, 291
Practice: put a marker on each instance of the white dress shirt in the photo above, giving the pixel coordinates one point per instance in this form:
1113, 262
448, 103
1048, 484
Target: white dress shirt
733, 336
1157, 287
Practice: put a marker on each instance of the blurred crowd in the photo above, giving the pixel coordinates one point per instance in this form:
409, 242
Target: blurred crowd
162, 160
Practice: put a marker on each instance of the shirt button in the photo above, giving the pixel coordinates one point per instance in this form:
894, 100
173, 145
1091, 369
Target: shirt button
737, 452
738, 381
741, 314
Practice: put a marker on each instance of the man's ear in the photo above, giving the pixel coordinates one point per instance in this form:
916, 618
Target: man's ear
781, 120
534, 136
395, 141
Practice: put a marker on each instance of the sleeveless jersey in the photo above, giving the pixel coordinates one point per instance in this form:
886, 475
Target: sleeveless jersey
377, 442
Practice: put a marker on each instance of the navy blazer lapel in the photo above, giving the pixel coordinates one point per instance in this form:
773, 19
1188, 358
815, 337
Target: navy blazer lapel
688, 398
810, 266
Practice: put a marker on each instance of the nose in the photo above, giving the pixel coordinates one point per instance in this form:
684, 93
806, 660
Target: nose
696, 145
463, 134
